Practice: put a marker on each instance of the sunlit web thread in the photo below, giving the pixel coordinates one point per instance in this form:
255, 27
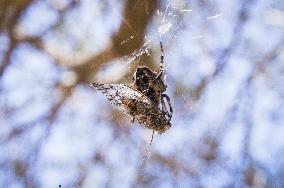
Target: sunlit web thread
146, 156
126, 40
137, 53
169, 25
215, 16
170, 1
186, 10
186, 102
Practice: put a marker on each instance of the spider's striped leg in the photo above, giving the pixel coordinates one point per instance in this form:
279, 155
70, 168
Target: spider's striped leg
164, 108
162, 58
161, 62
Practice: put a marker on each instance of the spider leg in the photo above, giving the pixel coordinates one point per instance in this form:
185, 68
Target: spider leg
164, 108
152, 138
159, 76
161, 62
162, 58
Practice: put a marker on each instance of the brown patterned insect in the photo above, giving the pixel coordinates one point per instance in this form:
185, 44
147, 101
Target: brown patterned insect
136, 105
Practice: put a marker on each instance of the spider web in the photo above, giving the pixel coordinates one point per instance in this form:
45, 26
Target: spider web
166, 23
165, 26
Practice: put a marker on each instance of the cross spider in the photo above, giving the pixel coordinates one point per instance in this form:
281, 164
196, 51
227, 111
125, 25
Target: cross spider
151, 85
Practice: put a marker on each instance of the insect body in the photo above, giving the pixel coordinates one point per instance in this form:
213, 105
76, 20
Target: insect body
136, 105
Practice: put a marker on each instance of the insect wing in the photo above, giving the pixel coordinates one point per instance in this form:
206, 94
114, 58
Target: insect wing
135, 104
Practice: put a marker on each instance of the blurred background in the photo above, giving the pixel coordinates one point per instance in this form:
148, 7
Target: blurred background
224, 64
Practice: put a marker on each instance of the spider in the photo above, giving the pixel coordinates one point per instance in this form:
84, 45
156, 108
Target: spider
151, 85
